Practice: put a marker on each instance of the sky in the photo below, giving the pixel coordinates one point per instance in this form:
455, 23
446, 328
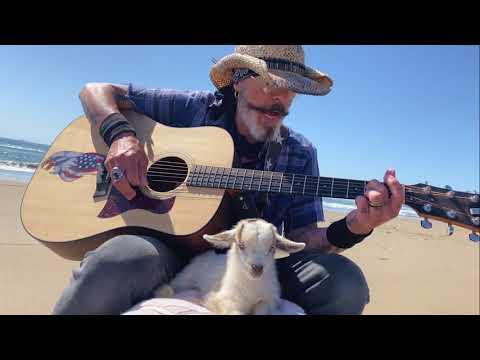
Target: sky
414, 108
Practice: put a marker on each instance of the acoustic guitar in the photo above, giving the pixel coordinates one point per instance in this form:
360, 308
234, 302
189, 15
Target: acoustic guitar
71, 207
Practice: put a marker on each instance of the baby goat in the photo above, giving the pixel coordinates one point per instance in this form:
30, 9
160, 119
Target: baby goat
244, 281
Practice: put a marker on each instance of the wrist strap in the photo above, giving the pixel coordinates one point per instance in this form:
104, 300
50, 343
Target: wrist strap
340, 236
114, 125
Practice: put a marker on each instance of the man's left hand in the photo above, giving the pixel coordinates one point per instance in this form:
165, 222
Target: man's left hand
376, 207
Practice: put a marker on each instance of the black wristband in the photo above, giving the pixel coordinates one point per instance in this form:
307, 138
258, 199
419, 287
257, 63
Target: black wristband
340, 236
114, 125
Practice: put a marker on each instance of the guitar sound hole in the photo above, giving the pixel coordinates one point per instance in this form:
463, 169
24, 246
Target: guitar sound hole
167, 174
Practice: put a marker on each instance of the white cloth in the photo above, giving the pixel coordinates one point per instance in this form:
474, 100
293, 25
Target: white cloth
188, 303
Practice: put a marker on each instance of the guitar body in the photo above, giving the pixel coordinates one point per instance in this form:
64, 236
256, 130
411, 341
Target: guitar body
60, 211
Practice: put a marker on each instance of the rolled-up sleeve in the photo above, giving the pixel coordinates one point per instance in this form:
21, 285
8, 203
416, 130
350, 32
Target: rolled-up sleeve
170, 107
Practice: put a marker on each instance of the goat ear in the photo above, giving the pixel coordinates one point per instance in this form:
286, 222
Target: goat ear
221, 240
284, 246
288, 246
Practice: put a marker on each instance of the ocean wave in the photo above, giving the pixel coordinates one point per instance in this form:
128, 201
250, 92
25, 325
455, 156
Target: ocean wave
16, 166
334, 206
10, 146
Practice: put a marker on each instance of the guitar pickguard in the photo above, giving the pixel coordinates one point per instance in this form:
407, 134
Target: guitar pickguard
117, 204
71, 165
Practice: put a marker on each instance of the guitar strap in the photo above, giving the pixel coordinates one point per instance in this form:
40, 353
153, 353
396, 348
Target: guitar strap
245, 204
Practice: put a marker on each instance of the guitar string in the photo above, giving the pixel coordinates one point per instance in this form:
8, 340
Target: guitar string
253, 174
275, 181
310, 187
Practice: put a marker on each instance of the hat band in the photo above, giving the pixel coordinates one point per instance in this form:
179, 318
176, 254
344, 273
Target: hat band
284, 65
272, 64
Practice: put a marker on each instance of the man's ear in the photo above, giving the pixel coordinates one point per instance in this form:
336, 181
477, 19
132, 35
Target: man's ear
221, 240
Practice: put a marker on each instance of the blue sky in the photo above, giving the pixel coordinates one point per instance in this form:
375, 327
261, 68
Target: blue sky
414, 108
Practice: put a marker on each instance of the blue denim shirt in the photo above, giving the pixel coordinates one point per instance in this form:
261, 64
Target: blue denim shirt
198, 108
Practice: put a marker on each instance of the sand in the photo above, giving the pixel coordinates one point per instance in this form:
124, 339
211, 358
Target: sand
409, 270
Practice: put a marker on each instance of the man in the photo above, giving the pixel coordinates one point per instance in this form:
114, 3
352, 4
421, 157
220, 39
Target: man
256, 87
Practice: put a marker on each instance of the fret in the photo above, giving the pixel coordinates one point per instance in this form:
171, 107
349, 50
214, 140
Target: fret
331, 194
251, 181
190, 176
228, 177
235, 179
356, 185
219, 174
243, 179
211, 179
281, 180
270, 184
224, 174
203, 177
293, 181
348, 185
304, 183
318, 183
260, 183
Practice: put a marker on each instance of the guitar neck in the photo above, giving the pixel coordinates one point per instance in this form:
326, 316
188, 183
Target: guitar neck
274, 182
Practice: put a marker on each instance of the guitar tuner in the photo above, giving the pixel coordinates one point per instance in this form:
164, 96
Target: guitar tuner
475, 220
448, 187
474, 199
474, 237
451, 214
427, 207
450, 230
426, 224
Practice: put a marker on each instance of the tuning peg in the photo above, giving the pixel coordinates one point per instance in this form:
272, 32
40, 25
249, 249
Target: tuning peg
450, 230
474, 237
448, 187
426, 224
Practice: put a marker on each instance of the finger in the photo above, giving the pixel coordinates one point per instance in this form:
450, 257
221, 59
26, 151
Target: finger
362, 204
124, 187
398, 194
376, 192
142, 171
389, 172
131, 169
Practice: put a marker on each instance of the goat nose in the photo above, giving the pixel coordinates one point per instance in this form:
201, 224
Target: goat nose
257, 269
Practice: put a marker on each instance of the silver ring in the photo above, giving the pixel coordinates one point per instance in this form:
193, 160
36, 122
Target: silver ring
117, 174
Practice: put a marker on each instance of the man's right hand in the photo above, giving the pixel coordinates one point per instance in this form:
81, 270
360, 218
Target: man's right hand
127, 154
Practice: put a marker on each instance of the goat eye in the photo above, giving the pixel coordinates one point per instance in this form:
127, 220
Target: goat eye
241, 245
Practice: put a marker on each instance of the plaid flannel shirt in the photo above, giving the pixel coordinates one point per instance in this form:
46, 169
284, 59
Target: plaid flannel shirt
195, 108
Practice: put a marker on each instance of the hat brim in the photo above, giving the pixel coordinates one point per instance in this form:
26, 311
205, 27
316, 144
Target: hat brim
300, 84
313, 82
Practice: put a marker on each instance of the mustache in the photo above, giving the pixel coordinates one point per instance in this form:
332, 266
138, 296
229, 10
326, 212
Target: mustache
274, 110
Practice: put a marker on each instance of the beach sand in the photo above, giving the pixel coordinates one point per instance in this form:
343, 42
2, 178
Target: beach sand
409, 270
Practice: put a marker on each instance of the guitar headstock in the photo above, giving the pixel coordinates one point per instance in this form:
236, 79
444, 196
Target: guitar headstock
445, 205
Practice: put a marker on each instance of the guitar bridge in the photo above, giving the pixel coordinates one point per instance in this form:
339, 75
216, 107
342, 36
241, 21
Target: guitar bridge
103, 181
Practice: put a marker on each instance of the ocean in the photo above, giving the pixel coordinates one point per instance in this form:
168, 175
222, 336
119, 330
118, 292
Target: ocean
19, 159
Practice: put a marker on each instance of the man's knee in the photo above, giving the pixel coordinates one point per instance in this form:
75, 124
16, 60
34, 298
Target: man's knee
129, 257
331, 284
346, 288
119, 273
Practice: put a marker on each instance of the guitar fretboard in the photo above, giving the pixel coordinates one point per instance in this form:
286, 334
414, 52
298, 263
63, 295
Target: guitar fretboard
275, 182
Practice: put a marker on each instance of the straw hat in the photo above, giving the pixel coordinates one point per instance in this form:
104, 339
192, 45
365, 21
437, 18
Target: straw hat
278, 65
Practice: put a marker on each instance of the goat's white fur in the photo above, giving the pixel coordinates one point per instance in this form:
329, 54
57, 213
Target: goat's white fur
225, 281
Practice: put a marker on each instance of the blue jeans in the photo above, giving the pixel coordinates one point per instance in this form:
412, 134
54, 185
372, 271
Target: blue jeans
126, 269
